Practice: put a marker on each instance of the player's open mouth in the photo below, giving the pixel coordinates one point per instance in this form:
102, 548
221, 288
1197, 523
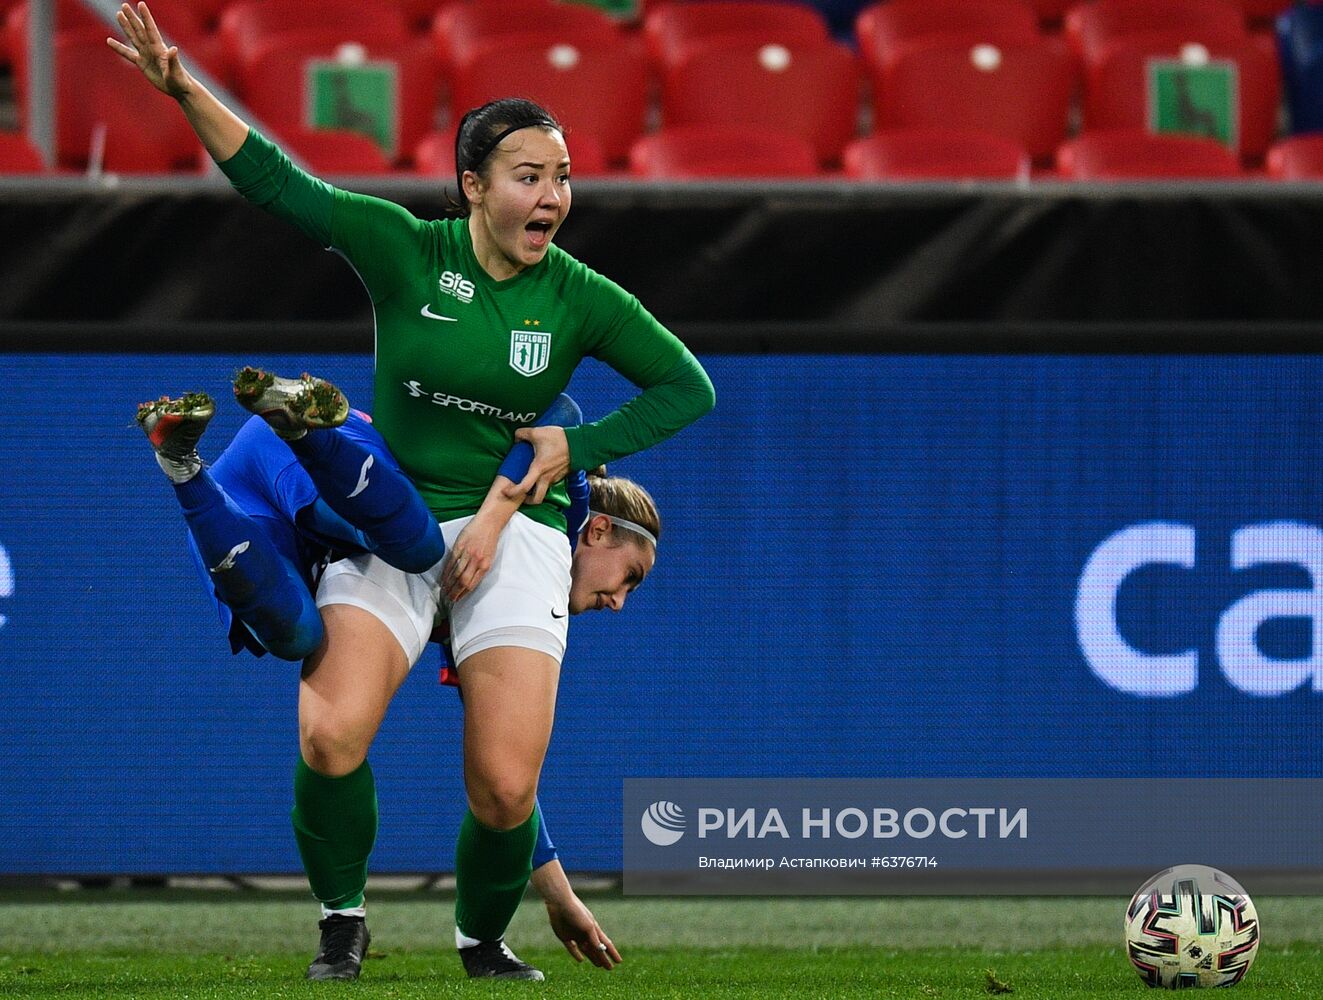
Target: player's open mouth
539, 233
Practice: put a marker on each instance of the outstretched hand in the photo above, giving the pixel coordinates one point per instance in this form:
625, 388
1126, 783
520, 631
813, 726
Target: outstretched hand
551, 463
147, 50
581, 934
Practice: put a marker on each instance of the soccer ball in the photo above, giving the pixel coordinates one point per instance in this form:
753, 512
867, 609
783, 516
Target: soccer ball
1191, 926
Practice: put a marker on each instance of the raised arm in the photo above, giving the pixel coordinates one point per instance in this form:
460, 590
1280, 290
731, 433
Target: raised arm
222, 131
256, 168
382, 240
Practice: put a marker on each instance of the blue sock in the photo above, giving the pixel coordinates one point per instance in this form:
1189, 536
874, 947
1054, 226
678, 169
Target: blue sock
563, 412
249, 574
544, 850
372, 497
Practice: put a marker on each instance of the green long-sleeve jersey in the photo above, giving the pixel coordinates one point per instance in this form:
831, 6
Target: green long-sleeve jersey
463, 360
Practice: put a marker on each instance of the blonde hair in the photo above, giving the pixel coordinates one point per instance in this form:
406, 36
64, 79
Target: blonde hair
616, 496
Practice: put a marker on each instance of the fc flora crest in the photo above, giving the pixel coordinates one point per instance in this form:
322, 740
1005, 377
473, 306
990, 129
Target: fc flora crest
529, 351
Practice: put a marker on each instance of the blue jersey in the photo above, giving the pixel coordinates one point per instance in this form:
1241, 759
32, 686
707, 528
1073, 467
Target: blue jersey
264, 479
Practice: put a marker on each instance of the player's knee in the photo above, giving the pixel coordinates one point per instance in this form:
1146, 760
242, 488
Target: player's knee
331, 747
502, 805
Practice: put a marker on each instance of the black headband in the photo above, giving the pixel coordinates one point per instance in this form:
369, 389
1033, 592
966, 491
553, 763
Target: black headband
487, 149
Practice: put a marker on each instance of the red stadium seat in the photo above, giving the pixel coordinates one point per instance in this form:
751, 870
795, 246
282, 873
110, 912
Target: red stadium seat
206, 12
1138, 155
1299, 158
598, 88
1091, 27
18, 155
920, 154
884, 28
812, 91
1116, 88
587, 158
1263, 10
70, 15
246, 25
1020, 92
669, 28
420, 13
1051, 12
143, 129
183, 19
181, 24
336, 151
461, 28
711, 151
435, 155
191, 24
72, 20
272, 80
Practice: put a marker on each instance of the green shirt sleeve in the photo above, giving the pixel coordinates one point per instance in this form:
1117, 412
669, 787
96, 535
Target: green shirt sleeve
676, 389
373, 234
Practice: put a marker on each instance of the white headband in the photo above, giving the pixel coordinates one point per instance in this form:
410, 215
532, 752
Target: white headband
638, 529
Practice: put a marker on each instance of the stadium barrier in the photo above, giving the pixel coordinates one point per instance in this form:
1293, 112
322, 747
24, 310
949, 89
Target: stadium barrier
960, 565
857, 256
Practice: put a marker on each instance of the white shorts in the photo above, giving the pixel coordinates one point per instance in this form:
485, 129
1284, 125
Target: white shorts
522, 601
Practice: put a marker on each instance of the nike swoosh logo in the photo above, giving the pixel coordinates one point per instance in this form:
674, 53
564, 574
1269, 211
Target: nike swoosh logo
362, 477
561, 615
426, 310
228, 561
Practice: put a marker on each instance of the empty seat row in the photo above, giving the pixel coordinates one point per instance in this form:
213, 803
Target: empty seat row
708, 152
924, 73
1022, 93
947, 154
225, 35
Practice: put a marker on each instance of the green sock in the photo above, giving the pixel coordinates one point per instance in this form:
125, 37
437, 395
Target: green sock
491, 872
335, 824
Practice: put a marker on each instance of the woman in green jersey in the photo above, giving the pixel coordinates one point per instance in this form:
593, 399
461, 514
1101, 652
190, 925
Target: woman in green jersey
480, 322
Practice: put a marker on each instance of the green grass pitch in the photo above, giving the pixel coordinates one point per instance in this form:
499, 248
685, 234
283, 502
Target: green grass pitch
180, 944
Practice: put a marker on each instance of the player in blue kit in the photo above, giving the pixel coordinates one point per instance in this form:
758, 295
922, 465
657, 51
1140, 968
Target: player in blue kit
269, 514
309, 498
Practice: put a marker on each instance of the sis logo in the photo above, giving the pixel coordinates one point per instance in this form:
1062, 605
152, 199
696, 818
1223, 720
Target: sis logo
454, 283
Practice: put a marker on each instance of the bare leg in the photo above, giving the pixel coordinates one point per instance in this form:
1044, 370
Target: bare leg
346, 687
509, 706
